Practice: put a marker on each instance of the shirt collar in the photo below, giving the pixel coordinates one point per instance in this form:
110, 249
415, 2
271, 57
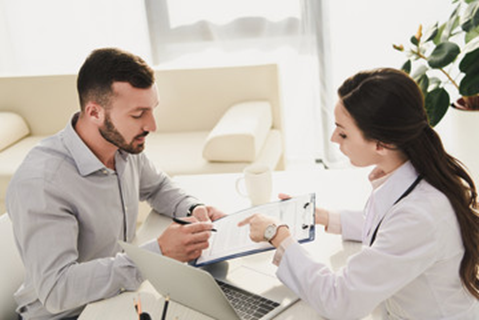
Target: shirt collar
85, 160
393, 187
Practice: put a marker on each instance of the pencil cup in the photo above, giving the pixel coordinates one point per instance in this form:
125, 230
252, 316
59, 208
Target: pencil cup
258, 182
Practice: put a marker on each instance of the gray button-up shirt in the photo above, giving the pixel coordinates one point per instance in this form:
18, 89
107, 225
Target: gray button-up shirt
68, 212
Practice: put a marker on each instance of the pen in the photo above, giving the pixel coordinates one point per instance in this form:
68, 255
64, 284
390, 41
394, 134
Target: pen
184, 222
165, 307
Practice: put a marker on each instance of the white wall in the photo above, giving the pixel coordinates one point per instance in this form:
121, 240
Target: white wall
55, 36
363, 31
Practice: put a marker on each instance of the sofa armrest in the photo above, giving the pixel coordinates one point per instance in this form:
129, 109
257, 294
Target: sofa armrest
240, 133
12, 129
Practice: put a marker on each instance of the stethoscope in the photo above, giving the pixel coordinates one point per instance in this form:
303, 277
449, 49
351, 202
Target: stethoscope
408, 191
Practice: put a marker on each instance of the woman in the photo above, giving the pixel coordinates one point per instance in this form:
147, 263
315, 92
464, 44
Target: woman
420, 227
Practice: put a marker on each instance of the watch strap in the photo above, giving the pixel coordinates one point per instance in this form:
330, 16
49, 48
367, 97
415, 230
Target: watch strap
276, 230
192, 208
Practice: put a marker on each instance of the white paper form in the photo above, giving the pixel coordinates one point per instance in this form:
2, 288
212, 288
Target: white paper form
231, 241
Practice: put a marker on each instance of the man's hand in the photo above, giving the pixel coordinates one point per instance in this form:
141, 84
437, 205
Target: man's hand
185, 242
207, 213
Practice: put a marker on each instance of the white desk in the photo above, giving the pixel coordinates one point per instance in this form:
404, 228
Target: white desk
347, 189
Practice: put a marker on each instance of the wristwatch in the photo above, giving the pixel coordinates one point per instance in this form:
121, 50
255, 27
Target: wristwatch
191, 208
271, 231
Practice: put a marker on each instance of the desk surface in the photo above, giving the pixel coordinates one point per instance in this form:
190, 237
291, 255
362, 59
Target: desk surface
346, 189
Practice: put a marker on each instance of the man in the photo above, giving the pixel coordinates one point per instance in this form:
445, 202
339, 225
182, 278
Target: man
77, 193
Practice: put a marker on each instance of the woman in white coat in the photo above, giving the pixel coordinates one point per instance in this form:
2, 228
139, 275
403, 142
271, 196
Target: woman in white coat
420, 227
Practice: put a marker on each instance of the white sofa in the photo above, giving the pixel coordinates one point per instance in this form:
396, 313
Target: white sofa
210, 120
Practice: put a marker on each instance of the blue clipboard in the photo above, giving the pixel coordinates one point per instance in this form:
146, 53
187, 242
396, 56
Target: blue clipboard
231, 241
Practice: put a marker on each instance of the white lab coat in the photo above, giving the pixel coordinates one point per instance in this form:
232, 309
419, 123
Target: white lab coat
412, 268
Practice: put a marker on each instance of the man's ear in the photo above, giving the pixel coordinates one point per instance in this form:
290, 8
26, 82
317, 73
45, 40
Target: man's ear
95, 112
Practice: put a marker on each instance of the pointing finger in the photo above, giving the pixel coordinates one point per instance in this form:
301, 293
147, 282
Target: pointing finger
246, 221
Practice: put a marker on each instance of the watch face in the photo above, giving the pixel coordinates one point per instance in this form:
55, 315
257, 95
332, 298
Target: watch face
269, 232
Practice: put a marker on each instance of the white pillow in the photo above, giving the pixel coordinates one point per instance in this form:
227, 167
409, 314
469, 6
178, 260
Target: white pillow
12, 129
240, 133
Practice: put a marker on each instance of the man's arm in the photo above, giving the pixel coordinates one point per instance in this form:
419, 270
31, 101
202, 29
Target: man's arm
47, 234
161, 193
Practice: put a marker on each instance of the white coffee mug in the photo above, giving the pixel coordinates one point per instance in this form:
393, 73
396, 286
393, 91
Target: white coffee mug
258, 181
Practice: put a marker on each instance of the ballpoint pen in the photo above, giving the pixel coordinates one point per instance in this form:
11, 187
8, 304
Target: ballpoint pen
165, 307
184, 222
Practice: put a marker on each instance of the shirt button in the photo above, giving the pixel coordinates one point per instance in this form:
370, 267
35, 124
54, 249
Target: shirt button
104, 171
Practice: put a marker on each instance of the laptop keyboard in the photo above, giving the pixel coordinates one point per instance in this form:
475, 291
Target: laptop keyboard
249, 306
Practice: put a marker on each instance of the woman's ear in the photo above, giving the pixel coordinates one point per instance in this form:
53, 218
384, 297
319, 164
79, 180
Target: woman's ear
384, 148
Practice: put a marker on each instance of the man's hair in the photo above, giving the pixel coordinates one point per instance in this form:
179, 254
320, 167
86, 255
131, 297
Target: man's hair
105, 66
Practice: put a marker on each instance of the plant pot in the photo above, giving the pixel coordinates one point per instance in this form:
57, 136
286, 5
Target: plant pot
458, 131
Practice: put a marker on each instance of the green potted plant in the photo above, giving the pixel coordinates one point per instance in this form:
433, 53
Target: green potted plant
446, 57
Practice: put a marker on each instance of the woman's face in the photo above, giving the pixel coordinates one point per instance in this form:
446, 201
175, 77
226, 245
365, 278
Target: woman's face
361, 152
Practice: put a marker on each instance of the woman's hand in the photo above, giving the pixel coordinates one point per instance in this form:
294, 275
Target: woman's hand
321, 215
258, 223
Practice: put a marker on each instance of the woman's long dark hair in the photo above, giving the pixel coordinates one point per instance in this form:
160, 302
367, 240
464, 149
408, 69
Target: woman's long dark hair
388, 106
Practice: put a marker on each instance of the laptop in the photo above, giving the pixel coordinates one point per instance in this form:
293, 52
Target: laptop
215, 297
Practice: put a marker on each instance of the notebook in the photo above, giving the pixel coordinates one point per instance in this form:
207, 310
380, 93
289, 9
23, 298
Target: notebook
199, 290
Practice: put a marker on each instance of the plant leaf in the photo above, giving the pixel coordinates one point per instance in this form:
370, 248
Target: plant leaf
443, 54
450, 25
474, 33
470, 63
470, 18
423, 83
419, 72
469, 85
438, 37
436, 103
434, 82
414, 40
406, 67
431, 33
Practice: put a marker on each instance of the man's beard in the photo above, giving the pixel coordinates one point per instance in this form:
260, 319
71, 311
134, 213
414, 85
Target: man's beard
111, 134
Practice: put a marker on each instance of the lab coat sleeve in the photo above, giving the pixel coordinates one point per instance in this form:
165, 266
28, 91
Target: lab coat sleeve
402, 251
351, 224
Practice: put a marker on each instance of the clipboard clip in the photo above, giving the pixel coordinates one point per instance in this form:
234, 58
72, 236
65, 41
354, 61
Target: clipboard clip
305, 226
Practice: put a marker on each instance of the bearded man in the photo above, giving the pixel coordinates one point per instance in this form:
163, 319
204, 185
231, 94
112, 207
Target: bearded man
77, 194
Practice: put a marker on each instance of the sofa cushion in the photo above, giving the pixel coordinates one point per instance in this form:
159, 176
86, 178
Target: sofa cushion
12, 129
181, 153
240, 133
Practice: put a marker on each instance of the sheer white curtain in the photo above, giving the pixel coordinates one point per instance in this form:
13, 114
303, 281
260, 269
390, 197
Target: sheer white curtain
55, 36
192, 33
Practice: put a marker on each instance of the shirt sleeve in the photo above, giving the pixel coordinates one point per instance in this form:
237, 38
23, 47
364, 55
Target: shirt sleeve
370, 277
61, 281
160, 191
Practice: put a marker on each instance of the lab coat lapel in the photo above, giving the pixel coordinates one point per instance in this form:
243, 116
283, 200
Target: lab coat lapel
386, 194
